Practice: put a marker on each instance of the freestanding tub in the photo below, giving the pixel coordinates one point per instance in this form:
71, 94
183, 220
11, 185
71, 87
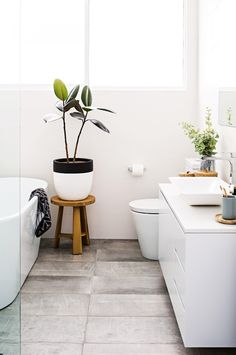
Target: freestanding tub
18, 245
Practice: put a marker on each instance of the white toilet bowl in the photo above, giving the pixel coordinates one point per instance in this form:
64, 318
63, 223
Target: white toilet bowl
146, 217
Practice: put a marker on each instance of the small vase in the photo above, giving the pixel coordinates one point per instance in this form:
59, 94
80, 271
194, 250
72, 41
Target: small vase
207, 165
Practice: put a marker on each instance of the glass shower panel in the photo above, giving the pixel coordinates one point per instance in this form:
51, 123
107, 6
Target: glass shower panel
9, 179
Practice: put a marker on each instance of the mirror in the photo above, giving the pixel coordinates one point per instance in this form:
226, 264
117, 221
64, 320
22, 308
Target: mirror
227, 108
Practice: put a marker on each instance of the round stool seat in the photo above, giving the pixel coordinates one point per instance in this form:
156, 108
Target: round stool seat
80, 222
76, 203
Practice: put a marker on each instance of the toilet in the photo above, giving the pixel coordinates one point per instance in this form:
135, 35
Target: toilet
146, 218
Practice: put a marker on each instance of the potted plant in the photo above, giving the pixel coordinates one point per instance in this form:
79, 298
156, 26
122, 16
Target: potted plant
204, 140
73, 175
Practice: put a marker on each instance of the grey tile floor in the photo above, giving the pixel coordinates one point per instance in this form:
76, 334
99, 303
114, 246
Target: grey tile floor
10, 329
109, 301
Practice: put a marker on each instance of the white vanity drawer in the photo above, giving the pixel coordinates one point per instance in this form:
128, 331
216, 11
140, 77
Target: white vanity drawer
179, 247
178, 308
179, 276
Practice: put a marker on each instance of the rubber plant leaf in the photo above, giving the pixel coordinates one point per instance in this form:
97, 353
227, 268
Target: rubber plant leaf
78, 107
105, 109
51, 117
59, 106
60, 90
78, 115
99, 124
73, 93
97, 108
87, 109
86, 96
72, 104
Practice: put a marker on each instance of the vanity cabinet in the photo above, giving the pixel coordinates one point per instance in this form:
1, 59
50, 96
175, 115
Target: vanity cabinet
200, 272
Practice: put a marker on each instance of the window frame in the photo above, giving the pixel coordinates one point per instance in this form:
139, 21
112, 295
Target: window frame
182, 87
47, 87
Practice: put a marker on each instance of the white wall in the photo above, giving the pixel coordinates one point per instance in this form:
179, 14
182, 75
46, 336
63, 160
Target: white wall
9, 133
217, 58
145, 130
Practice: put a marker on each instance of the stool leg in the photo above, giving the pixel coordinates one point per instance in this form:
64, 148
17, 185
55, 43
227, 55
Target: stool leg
77, 239
85, 224
58, 227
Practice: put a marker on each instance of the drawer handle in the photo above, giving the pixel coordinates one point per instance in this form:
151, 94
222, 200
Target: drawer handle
177, 256
177, 291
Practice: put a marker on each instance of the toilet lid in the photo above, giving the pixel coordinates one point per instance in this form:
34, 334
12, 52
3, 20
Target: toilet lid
153, 205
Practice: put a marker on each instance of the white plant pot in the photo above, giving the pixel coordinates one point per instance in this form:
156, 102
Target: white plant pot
73, 181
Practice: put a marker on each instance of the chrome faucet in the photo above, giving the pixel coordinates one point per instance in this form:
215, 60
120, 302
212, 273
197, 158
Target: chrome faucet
230, 162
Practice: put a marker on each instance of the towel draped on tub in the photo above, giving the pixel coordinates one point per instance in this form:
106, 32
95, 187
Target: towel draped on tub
43, 217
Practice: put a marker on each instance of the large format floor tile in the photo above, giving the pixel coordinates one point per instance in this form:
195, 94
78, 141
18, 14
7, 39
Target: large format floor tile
117, 269
130, 305
60, 268
62, 304
10, 348
132, 330
53, 329
52, 284
114, 244
129, 285
134, 349
13, 309
108, 301
51, 349
150, 349
9, 329
121, 254
51, 254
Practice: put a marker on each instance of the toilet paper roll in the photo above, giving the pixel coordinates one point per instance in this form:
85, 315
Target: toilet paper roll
137, 169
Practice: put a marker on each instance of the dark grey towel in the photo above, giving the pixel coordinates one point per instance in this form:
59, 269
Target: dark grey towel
43, 218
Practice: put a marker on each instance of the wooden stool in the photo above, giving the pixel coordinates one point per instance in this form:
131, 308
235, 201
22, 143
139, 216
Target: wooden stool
80, 222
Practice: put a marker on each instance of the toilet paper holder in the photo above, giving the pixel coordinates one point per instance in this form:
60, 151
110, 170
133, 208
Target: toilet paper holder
130, 167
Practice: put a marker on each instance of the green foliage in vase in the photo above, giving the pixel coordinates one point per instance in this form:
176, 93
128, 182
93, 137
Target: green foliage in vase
204, 140
229, 116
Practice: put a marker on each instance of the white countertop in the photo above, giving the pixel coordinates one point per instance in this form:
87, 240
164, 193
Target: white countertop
194, 219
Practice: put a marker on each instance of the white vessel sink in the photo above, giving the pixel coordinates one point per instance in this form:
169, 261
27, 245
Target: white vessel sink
200, 190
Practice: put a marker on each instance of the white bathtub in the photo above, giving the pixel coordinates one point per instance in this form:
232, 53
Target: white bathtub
18, 245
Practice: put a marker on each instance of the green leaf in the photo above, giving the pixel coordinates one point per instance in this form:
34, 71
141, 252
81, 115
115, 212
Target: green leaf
99, 124
78, 115
86, 96
73, 93
72, 103
87, 109
60, 89
78, 107
104, 109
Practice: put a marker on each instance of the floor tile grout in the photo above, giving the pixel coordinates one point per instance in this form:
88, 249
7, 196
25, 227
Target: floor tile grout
86, 325
87, 316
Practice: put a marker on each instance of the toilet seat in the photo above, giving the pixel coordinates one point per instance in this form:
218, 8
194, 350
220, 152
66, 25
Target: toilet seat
148, 206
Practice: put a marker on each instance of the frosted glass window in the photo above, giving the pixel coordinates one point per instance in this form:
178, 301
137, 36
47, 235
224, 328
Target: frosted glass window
52, 41
218, 28
136, 43
9, 39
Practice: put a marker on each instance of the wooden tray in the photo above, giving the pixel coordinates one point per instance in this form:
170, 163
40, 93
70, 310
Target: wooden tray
199, 174
220, 219
206, 173
187, 173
